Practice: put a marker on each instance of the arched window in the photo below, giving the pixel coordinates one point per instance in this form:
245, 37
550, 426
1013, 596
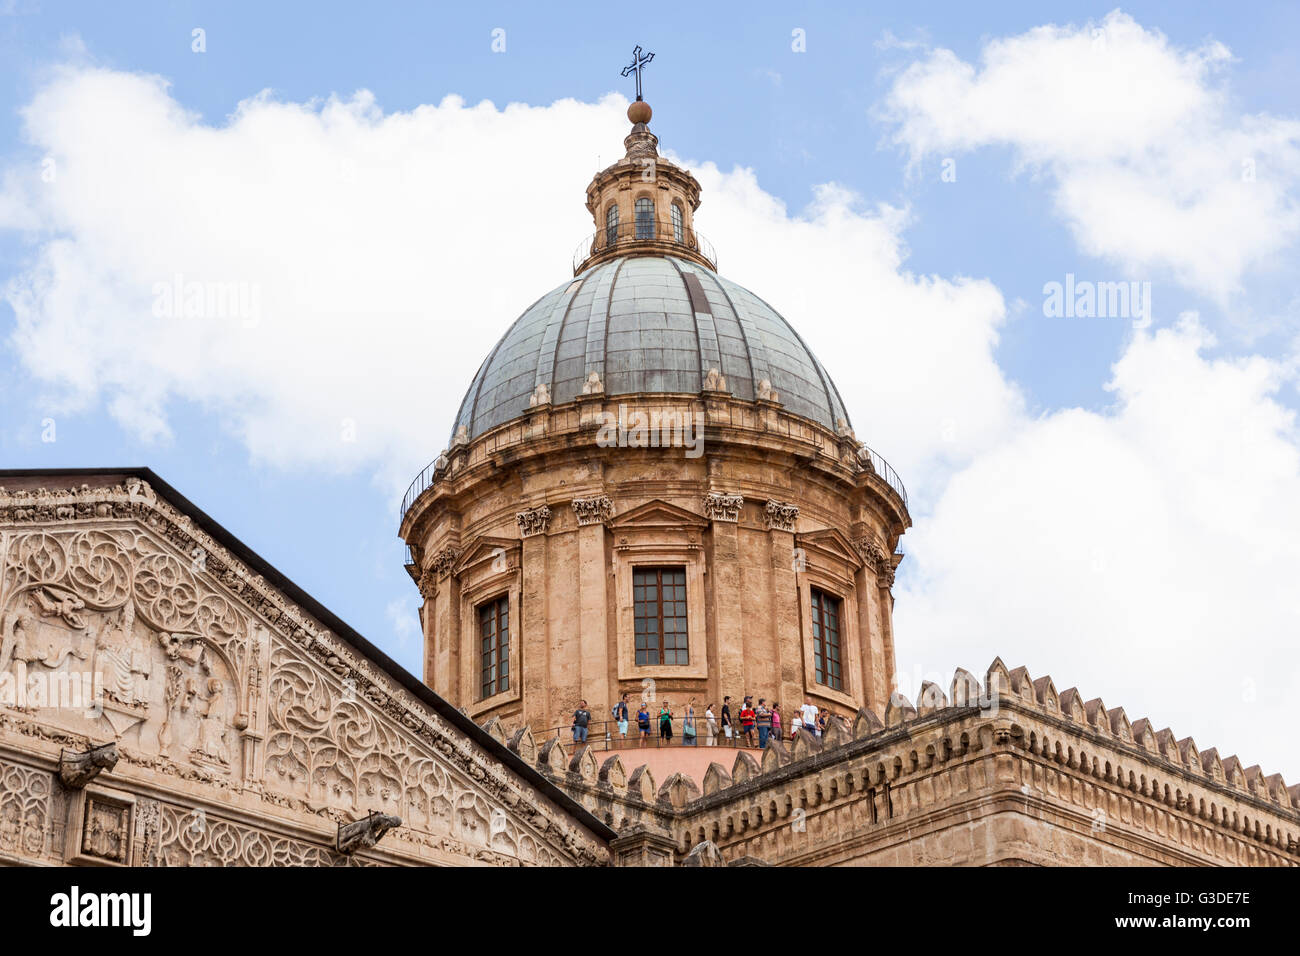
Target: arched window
678, 231
611, 226
645, 218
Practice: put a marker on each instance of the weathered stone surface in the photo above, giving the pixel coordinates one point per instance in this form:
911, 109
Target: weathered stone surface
365, 833
225, 699
78, 769
704, 854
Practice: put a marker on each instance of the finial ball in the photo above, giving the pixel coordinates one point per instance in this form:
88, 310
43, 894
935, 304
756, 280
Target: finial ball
639, 111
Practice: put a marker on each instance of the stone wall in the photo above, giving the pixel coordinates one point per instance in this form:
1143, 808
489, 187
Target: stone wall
1007, 772
537, 511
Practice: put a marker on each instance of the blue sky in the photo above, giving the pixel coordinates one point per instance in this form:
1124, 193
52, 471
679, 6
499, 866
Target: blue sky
1023, 393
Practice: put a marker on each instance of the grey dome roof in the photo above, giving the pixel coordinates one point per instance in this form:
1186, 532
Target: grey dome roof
647, 324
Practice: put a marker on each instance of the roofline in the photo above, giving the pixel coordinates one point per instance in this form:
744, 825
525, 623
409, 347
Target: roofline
336, 624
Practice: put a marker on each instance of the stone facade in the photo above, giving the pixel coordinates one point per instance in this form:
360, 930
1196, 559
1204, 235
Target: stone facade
1007, 773
778, 506
167, 699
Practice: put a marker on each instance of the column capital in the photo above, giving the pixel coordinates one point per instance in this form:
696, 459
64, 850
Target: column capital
878, 560
720, 506
780, 515
444, 562
595, 510
533, 521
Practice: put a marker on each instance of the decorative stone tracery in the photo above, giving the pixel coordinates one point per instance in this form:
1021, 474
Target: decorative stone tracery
210, 681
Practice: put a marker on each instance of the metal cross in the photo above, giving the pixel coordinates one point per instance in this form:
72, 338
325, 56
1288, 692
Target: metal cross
637, 65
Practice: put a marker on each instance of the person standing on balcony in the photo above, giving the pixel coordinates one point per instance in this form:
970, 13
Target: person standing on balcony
747, 722
581, 719
643, 722
763, 718
809, 713
688, 725
666, 722
776, 721
620, 716
726, 717
710, 727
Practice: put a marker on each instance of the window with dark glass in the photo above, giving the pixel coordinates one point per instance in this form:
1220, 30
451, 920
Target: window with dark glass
611, 226
678, 231
645, 218
659, 612
494, 636
826, 639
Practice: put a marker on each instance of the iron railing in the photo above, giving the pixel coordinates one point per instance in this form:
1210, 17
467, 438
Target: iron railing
604, 735
659, 231
885, 471
422, 481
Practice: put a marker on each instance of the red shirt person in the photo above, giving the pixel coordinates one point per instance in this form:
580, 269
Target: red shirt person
747, 721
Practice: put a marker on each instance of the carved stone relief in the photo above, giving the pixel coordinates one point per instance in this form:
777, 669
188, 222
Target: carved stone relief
533, 521
109, 634
597, 510
722, 507
200, 671
24, 810
780, 515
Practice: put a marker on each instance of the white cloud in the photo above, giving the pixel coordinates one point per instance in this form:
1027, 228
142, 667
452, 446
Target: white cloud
1148, 555
384, 254
404, 617
912, 355
381, 255
1151, 167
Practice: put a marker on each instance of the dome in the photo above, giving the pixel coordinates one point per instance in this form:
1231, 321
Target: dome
648, 324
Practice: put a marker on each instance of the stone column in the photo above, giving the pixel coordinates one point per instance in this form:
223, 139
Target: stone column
593, 618
783, 592
534, 655
428, 585
885, 580
445, 616
723, 510
875, 624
